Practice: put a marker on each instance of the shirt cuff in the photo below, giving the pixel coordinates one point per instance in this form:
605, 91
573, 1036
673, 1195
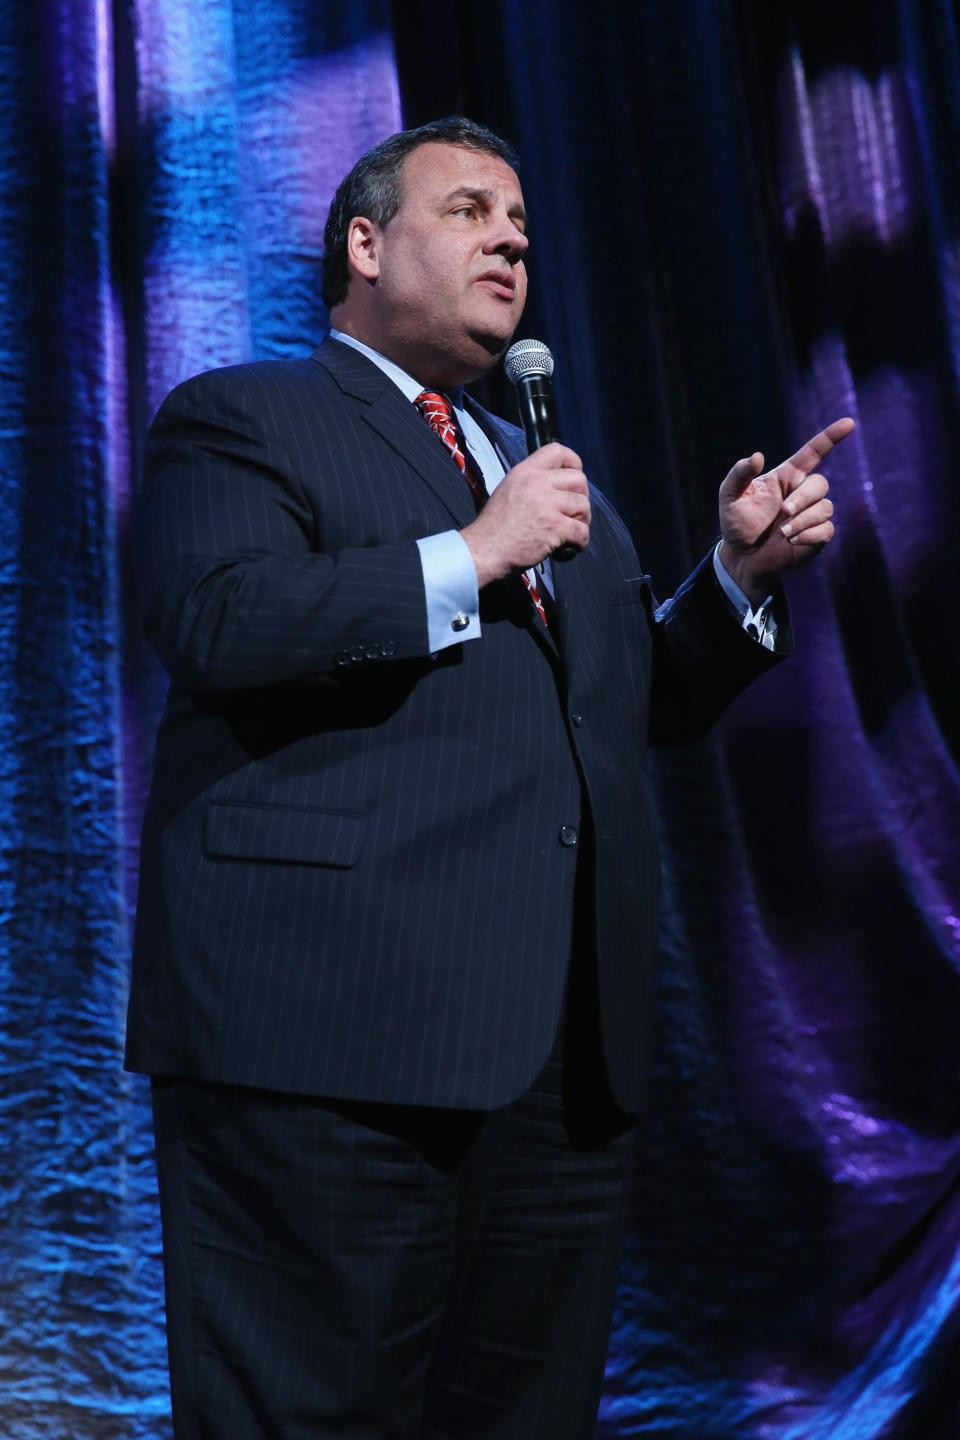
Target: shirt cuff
759, 624
450, 584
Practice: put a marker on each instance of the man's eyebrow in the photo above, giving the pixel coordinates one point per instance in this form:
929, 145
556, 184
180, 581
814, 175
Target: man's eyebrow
479, 192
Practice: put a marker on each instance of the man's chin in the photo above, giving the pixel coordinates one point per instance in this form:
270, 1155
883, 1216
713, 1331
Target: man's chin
475, 355
494, 344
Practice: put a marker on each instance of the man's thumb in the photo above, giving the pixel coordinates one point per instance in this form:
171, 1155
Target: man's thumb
746, 470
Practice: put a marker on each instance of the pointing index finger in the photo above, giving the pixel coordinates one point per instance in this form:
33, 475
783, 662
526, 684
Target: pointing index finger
808, 457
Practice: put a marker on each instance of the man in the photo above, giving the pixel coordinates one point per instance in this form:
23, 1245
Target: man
397, 923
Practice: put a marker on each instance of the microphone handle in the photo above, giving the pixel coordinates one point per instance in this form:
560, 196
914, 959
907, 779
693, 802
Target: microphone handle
539, 420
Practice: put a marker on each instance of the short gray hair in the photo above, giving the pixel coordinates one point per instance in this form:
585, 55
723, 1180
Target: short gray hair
372, 188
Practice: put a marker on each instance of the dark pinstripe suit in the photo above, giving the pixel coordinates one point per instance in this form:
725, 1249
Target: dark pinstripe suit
357, 884
352, 878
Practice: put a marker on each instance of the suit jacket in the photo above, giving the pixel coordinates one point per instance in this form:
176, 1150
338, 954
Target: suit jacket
358, 857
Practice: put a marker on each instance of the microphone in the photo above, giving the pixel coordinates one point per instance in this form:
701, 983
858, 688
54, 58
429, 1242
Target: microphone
529, 367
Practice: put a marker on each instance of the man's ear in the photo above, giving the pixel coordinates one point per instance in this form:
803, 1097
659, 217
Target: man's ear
362, 251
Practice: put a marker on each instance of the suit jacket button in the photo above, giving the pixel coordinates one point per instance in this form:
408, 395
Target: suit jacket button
459, 621
358, 653
576, 719
341, 658
568, 836
373, 651
388, 647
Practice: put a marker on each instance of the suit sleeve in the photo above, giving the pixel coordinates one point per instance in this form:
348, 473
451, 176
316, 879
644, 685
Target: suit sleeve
701, 656
235, 586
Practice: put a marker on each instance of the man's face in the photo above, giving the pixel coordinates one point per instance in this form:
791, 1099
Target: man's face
450, 284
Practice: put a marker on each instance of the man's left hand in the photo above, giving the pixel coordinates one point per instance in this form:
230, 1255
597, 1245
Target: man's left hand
773, 521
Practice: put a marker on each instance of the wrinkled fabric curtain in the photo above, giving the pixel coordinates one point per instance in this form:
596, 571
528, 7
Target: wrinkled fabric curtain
166, 168
745, 223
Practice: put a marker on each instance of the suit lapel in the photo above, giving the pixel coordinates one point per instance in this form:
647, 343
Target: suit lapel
505, 439
387, 411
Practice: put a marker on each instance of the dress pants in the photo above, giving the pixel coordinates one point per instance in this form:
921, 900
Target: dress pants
385, 1272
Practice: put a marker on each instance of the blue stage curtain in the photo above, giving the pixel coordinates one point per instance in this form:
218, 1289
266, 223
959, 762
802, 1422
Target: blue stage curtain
746, 222
166, 168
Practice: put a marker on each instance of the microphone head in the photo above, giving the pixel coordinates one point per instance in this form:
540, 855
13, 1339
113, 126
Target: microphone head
527, 357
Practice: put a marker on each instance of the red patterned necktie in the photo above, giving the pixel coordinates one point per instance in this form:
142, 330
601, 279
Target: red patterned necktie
438, 413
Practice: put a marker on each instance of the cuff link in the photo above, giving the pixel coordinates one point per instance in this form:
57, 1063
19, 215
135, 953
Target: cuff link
761, 619
459, 621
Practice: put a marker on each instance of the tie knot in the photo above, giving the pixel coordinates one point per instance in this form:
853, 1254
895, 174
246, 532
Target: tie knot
435, 409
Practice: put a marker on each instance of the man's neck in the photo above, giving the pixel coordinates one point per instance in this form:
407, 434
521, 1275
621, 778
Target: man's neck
435, 372
406, 382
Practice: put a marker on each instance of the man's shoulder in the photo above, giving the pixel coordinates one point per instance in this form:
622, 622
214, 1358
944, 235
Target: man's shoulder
265, 376
270, 391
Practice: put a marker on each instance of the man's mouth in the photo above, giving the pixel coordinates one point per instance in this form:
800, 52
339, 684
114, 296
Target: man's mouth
499, 282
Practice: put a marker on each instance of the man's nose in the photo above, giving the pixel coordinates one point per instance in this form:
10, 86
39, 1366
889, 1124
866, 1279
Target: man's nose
506, 239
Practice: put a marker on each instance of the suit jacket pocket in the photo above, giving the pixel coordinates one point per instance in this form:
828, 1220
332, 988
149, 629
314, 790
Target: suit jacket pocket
299, 835
628, 592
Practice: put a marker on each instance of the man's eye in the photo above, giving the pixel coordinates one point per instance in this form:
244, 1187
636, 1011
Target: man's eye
466, 210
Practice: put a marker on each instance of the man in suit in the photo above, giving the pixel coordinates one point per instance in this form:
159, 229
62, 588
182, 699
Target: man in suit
396, 933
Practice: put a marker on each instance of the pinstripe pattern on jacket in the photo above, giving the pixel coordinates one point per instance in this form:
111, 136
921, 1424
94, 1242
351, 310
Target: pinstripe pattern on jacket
354, 875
